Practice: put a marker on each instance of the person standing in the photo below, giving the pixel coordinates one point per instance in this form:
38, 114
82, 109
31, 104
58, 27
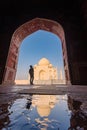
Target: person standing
31, 72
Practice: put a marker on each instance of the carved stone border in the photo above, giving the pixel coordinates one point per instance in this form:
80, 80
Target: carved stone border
25, 30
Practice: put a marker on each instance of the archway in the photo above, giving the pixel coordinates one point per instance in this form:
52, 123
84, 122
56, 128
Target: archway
42, 75
22, 32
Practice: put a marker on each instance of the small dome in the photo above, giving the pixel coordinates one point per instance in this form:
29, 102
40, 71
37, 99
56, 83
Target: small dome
44, 61
50, 65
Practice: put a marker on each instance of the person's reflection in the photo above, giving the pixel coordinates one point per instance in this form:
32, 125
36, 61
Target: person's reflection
78, 119
29, 103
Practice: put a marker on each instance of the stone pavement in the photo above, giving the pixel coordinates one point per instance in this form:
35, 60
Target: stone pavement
77, 92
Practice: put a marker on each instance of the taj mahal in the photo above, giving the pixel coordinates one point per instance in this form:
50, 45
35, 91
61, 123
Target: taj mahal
46, 73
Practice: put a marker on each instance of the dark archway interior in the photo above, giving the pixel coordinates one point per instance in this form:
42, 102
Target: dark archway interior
70, 14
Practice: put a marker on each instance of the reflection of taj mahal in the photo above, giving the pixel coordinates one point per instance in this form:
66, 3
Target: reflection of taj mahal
44, 104
46, 73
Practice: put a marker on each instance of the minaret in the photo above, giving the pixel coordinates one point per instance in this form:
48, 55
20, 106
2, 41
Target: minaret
57, 72
61, 74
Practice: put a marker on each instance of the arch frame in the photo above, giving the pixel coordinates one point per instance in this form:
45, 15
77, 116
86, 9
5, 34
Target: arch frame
23, 31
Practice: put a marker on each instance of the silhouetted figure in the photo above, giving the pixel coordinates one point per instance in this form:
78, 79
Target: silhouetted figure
31, 72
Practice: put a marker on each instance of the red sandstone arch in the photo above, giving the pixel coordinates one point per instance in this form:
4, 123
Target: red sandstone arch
22, 32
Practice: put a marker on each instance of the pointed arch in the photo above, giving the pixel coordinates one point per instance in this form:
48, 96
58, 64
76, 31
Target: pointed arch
25, 30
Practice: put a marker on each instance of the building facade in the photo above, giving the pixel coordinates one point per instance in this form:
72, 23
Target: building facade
46, 73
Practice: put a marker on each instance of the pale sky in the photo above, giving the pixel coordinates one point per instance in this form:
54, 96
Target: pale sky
36, 46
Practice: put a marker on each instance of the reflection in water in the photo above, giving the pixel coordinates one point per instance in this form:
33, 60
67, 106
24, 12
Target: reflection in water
44, 104
4, 115
43, 112
29, 102
78, 121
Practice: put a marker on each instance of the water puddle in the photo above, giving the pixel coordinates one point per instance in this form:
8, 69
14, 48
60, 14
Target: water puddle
42, 112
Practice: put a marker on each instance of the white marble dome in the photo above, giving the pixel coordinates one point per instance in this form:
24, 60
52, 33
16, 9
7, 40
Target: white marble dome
44, 61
